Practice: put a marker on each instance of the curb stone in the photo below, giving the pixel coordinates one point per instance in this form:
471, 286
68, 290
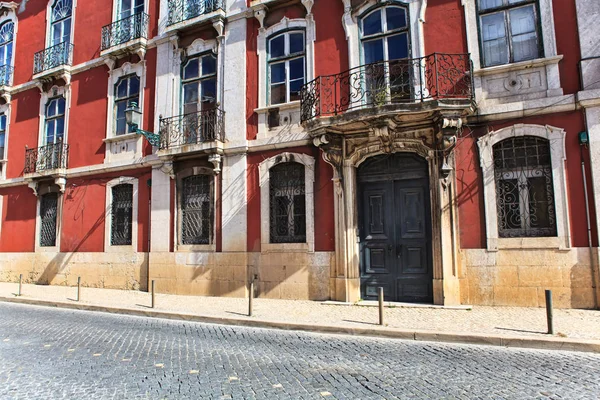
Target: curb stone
549, 343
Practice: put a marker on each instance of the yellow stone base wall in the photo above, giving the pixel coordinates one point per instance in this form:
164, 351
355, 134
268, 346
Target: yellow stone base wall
101, 270
520, 277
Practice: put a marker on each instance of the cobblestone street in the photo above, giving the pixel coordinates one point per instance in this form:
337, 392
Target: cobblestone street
52, 353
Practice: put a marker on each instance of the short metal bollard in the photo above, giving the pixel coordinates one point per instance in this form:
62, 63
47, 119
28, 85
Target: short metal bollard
549, 317
20, 284
153, 298
380, 298
78, 288
250, 297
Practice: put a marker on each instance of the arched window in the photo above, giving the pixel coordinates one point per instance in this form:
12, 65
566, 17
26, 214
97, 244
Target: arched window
524, 187
61, 22
287, 203
127, 91
6, 51
199, 85
121, 215
127, 8
196, 210
286, 66
385, 43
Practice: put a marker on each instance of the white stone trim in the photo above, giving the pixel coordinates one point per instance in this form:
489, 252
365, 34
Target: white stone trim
11, 15
556, 137
547, 66
351, 21
6, 110
49, 21
309, 180
108, 247
38, 221
53, 92
112, 139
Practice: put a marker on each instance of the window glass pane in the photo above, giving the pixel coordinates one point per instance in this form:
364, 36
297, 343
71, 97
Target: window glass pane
522, 24
209, 65
209, 91
125, 8
51, 108
277, 46
539, 206
486, 4
56, 34
2, 139
287, 203
297, 68
525, 47
50, 131
295, 87
2, 122
66, 34
61, 106
522, 20
278, 72
397, 46
372, 23
60, 126
373, 50
122, 88
296, 42
138, 6
395, 18
190, 93
134, 86
191, 69
121, 126
195, 209
278, 94
495, 46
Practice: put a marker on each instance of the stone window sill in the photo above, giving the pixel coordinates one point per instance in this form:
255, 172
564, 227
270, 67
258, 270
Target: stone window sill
528, 243
282, 107
127, 136
287, 247
192, 248
498, 69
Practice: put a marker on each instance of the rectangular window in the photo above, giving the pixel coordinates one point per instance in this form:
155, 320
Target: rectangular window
287, 203
196, 210
122, 213
509, 31
127, 91
2, 136
48, 218
286, 67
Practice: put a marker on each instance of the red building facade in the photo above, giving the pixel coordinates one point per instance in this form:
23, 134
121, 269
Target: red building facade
441, 149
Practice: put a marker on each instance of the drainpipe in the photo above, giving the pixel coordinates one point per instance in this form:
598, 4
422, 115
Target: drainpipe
583, 140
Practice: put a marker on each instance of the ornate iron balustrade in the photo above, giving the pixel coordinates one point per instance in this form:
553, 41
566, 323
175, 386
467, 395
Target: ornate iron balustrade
433, 77
48, 157
124, 30
193, 128
52, 57
6, 73
182, 10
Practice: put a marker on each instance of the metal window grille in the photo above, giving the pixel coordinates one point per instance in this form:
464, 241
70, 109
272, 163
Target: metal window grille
524, 187
121, 213
48, 215
287, 203
196, 210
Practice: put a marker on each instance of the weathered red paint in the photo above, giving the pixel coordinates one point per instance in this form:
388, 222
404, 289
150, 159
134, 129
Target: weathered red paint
444, 28
331, 47
323, 198
18, 219
251, 79
24, 130
567, 44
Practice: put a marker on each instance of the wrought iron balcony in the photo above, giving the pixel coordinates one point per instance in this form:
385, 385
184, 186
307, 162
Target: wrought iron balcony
195, 128
124, 30
6, 73
52, 57
182, 10
433, 77
45, 158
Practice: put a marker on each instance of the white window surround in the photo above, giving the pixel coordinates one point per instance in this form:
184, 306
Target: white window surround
176, 232
351, 19
45, 189
11, 16
556, 137
309, 179
505, 81
6, 110
49, 21
108, 247
117, 6
114, 142
55, 91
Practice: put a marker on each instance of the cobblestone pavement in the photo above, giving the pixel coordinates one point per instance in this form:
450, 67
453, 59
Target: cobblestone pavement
508, 321
50, 353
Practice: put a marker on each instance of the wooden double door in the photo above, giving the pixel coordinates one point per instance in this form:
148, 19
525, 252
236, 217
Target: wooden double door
395, 228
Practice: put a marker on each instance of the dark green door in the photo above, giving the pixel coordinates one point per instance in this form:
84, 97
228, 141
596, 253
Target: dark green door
395, 228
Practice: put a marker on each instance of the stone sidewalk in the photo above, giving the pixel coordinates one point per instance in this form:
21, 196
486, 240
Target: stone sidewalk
447, 324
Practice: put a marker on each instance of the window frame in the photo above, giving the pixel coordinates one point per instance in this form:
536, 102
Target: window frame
505, 9
265, 196
556, 137
127, 99
199, 79
108, 246
41, 191
52, 23
114, 219
291, 198
384, 32
285, 59
55, 117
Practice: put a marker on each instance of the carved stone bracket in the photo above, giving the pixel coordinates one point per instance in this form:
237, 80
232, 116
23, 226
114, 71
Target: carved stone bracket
260, 13
215, 159
166, 168
332, 148
33, 186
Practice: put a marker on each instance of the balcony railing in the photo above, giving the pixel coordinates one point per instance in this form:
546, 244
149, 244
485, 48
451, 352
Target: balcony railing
182, 10
48, 157
6, 73
434, 77
195, 128
52, 57
124, 30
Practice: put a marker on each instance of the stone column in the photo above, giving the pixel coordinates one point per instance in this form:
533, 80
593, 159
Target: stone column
160, 216
234, 203
351, 234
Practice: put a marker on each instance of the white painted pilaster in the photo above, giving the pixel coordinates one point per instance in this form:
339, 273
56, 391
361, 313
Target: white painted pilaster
161, 206
234, 203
